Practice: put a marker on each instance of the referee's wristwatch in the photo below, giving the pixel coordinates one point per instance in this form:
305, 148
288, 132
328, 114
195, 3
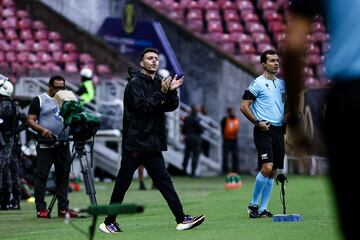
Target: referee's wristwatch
257, 122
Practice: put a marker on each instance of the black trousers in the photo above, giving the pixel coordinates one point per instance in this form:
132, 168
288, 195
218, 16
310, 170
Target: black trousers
192, 147
341, 133
155, 166
230, 147
46, 157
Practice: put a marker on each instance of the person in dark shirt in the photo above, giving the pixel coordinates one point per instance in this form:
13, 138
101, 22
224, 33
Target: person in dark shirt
146, 99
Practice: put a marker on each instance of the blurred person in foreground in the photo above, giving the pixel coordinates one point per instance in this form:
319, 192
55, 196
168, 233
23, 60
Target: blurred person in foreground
264, 105
7, 139
343, 102
146, 99
44, 118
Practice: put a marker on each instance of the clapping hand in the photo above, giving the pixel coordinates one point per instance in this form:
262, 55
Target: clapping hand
171, 83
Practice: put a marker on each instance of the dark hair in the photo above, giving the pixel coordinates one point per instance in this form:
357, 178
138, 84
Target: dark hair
56, 77
263, 56
146, 50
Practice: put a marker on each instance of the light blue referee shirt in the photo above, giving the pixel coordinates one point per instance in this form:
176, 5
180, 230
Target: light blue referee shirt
270, 99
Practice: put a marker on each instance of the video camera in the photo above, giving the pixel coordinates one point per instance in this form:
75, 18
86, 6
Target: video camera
83, 125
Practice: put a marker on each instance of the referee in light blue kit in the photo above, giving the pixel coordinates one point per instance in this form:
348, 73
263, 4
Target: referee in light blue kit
263, 104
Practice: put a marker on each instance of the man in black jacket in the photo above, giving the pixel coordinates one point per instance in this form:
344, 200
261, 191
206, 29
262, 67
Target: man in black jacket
146, 99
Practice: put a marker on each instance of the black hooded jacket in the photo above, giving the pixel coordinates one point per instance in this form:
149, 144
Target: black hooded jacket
144, 113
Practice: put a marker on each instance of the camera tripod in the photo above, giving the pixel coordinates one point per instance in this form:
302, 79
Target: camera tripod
79, 151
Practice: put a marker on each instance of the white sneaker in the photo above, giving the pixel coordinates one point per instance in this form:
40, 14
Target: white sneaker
111, 228
190, 222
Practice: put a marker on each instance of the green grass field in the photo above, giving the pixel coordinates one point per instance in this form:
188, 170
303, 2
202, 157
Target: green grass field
225, 210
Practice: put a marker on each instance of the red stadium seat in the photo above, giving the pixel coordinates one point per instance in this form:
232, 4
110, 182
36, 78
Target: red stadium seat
10, 57
57, 56
271, 15
54, 36
234, 26
8, 12
268, 5
192, 4
22, 14
195, 25
55, 68
320, 71
194, 14
8, 3
279, 37
214, 26
177, 15
318, 27
69, 47
40, 35
244, 5
254, 27
24, 23
228, 5
71, 67
10, 22
250, 17
313, 59
211, 5
22, 57
308, 72
69, 57
241, 37
42, 45
212, 15
231, 15
2, 57
320, 36
261, 47
312, 49
10, 34
4, 45
33, 58
276, 26
247, 48
44, 57
228, 47
38, 25
55, 46
103, 69
261, 38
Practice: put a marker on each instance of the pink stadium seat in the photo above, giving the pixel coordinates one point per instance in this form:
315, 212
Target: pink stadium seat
8, 3
22, 14
228, 47
4, 45
212, 14
102, 69
38, 25
318, 27
86, 58
54, 36
261, 47
250, 17
40, 35
8, 12
261, 38
241, 37
254, 27
308, 72
312, 49
310, 39
24, 23
271, 15
320, 36
211, 5
22, 57
33, 58
231, 15
177, 15
313, 59
71, 67
194, 14
191, 4
214, 26
55, 68
44, 57
10, 57
276, 26
228, 5
69, 47
176, 6
42, 45
247, 48
29, 44
57, 56
267, 5
9, 22
244, 5
55, 46
69, 57
25, 34
10, 34
234, 26
279, 37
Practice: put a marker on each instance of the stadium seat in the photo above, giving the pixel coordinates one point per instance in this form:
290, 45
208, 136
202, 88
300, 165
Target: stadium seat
10, 57
250, 17
211, 5
228, 5
102, 69
54, 36
214, 26
212, 14
247, 48
261, 38
231, 15
279, 37
40, 35
245, 5
320, 70
261, 47
8, 12
69, 47
42, 45
228, 47
320, 36
44, 57
8, 3
69, 57
22, 57
276, 26
313, 59
195, 25
2, 57
55, 46
85, 58
10, 34
241, 37
325, 47
38, 25
71, 67
268, 5
308, 72
192, 4
234, 26
57, 56
318, 27
22, 14
312, 49
4, 45
253, 27
9, 22
24, 23
177, 15
194, 14
33, 58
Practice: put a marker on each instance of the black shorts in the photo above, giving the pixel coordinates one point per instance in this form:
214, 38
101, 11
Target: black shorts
270, 146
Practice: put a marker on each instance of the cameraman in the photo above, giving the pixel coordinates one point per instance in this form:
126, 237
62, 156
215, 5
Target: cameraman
45, 119
7, 115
